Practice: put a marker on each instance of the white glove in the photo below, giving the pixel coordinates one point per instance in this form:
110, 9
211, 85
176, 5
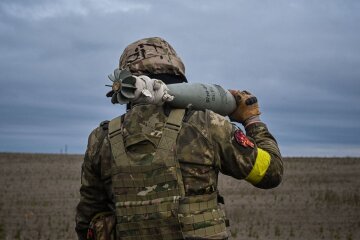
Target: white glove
151, 91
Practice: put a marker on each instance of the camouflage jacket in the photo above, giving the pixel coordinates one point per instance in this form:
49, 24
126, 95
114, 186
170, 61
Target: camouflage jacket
207, 144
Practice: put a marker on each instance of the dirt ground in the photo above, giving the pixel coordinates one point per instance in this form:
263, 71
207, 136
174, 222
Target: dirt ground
318, 199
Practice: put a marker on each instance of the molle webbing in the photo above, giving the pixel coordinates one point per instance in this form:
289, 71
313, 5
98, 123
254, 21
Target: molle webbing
201, 217
136, 210
201, 206
141, 182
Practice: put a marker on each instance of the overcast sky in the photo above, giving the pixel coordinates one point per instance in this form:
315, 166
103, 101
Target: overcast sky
300, 58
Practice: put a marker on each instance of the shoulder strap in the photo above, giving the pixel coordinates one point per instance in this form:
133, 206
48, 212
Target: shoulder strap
167, 144
117, 141
171, 129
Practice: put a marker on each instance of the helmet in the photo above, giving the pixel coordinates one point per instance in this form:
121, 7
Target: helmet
151, 56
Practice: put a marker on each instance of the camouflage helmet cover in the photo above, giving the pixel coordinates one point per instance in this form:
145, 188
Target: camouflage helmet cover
151, 56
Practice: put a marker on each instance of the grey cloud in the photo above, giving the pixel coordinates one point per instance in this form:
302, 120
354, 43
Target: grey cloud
43, 10
299, 58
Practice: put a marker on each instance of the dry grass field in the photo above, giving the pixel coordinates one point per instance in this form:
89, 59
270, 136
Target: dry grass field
318, 199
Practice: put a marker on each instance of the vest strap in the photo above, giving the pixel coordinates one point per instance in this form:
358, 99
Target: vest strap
117, 141
167, 145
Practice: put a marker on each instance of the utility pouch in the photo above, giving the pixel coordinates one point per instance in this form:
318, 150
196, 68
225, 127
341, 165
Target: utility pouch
102, 227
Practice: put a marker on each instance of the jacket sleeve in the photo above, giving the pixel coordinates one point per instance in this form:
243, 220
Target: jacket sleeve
93, 191
254, 157
264, 140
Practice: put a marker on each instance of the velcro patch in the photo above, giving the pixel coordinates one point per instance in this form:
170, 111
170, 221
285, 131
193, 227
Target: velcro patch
242, 139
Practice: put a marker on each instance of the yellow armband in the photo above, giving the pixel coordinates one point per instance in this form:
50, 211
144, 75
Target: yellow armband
261, 165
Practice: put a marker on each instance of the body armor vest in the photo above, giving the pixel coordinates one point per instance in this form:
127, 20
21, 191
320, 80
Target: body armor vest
149, 190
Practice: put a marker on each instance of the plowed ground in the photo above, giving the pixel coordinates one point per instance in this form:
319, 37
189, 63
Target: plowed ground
318, 199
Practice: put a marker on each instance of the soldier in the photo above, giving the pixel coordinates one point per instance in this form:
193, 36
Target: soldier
152, 173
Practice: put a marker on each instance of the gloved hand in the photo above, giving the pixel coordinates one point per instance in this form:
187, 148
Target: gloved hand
127, 88
247, 107
151, 91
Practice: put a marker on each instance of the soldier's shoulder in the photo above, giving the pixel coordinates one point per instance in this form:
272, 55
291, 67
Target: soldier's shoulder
198, 119
211, 124
104, 125
208, 117
100, 131
96, 138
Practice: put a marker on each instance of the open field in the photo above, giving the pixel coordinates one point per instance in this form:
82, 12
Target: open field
318, 199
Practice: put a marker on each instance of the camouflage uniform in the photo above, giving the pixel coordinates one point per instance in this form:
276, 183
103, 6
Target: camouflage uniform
206, 144
205, 147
